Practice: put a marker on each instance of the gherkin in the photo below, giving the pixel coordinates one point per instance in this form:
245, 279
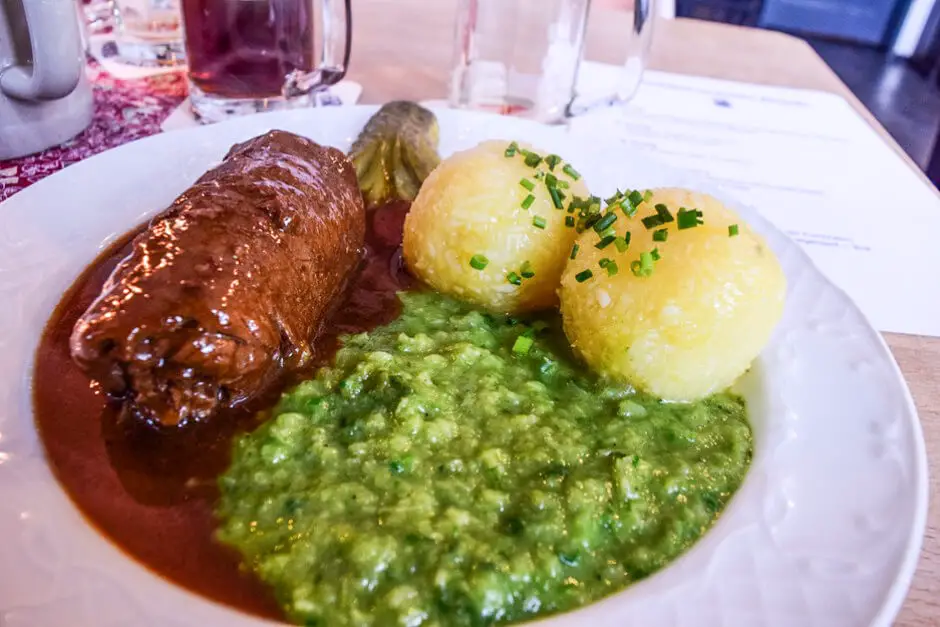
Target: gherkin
395, 152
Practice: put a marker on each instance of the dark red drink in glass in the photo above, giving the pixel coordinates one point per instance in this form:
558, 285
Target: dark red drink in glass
255, 55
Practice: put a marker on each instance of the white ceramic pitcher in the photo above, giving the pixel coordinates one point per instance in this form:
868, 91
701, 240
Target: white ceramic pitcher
45, 98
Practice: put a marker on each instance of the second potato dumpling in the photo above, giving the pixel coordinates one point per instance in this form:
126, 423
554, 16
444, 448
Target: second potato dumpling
678, 299
486, 226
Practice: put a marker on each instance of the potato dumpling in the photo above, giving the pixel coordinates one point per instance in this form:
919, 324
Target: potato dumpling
478, 232
683, 326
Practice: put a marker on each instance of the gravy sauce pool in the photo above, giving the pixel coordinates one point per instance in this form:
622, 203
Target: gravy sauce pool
152, 493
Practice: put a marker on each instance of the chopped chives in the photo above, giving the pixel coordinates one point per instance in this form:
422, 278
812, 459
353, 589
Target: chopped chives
528, 201
613, 200
688, 218
526, 270
647, 195
512, 149
539, 175
522, 345
532, 159
612, 268
655, 254
635, 198
567, 169
563, 185
604, 243
550, 180
621, 244
574, 251
603, 262
478, 262
552, 161
604, 223
629, 209
663, 212
591, 220
651, 222
538, 222
556, 197
660, 235
583, 276
513, 278
608, 231
529, 185
732, 230
569, 220
643, 266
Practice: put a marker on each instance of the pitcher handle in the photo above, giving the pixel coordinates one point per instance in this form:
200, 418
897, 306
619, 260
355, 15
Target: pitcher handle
57, 55
641, 33
336, 43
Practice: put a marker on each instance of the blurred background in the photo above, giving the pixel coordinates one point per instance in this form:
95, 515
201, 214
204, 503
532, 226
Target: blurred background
886, 51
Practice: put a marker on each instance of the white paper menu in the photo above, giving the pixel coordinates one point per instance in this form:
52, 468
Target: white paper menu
809, 163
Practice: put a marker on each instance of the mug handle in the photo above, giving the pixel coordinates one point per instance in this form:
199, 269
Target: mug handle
641, 33
336, 26
57, 55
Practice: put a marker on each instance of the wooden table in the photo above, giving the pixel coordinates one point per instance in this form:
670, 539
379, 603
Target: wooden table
418, 65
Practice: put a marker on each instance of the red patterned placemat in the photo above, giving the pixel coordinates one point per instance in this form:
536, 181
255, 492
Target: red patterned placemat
125, 110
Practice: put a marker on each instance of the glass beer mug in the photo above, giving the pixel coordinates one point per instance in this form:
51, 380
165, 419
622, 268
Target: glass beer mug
258, 55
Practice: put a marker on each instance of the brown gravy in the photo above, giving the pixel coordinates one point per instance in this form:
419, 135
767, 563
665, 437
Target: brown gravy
153, 494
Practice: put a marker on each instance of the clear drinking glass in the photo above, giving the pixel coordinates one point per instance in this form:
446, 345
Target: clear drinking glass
149, 32
521, 57
258, 55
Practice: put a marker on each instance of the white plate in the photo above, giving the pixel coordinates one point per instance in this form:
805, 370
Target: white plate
825, 530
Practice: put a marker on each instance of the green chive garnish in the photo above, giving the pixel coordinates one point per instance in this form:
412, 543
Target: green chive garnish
655, 254
660, 235
608, 231
512, 149
550, 180
556, 197
603, 262
526, 270
563, 185
663, 212
647, 195
528, 201
732, 230
646, 262
583, 276
605, 242
574, 251
538, 222
591, 221
522, 345
612, 268
604, 223
651, 222
635, 198
529, 185
552, 161
532, 159
621, 244
513, 278
571, 172
478, 262
688, 218
629, 209
569, 220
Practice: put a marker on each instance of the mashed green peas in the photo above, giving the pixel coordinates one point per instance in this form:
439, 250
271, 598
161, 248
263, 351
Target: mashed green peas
435, 476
